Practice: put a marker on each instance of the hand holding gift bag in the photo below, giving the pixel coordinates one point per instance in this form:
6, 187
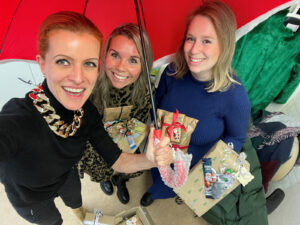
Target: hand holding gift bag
179, 129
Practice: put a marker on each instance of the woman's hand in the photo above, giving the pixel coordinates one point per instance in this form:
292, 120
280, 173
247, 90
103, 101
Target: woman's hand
161, 154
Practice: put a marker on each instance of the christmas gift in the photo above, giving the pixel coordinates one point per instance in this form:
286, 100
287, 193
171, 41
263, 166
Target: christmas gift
134, 216
97, 218
117, 113
127, 133
178, 127
219, 172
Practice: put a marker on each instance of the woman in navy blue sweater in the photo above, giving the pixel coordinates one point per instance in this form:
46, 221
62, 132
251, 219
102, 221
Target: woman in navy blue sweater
200, 84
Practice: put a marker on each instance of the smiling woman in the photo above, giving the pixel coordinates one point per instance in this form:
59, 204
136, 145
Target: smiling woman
43, 135
122, 63
70, 66
122, 83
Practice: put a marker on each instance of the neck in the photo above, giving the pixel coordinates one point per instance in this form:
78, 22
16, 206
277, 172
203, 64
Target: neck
202, 76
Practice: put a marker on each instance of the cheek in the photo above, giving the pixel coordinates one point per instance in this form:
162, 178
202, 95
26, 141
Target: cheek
108, 63
135, 72
92, 77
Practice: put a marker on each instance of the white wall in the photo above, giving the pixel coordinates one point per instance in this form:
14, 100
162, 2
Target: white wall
11, 73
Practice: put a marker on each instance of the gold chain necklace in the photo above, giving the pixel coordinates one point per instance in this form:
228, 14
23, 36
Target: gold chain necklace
58, 126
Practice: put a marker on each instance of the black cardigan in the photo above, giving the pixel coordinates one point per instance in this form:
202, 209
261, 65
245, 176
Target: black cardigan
34, 161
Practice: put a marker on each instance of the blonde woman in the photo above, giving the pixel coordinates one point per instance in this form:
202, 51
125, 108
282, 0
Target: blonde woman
122, 82
201, 84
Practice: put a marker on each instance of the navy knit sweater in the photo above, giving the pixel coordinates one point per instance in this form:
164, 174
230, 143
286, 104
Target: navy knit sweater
222, 115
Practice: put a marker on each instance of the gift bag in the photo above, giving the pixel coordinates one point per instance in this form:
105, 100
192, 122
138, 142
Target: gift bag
178, 127
223, 158
127, 133
117, 113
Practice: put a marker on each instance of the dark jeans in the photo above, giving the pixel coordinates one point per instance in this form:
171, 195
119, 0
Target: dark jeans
45, 212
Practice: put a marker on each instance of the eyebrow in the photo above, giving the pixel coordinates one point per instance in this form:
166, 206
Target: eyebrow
65, 56
208, 37
133, 56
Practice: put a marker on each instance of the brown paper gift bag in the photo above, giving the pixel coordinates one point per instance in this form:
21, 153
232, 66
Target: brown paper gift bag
117, 113
127, 133
178, 127
192, 192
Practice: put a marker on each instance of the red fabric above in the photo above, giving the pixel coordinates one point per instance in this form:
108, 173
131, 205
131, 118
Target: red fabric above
165, 20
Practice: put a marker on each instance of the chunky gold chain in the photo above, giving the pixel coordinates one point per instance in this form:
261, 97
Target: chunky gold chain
58, 126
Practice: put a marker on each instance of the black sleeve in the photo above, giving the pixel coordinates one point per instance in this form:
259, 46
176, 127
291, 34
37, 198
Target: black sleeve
100, 139
8, 142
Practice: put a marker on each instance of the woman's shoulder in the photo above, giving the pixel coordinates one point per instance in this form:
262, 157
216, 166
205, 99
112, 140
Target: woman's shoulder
236, 95
236, 87
16, 106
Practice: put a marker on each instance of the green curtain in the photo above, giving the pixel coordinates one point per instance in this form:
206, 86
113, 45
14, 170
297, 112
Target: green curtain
267, 61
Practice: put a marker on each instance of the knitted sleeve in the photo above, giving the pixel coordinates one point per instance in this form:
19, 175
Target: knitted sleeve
236, 116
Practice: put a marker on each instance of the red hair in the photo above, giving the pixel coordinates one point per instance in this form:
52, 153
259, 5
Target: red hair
65, 20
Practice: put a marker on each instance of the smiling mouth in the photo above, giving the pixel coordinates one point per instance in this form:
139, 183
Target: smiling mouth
120, 77
74, 91
196, 60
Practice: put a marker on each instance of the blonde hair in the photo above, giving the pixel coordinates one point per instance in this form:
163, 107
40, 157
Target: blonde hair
224, 23
102, 88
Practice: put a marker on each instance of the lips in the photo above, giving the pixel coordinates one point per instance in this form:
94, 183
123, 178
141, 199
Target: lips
196, 60
74, 91
119, 76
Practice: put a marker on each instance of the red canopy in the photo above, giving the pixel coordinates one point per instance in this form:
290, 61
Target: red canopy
165, 19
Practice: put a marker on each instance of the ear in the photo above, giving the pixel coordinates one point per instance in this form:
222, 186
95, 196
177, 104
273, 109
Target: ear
41, 61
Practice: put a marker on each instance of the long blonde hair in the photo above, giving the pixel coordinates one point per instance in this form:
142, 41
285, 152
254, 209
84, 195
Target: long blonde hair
224, 23
100, 94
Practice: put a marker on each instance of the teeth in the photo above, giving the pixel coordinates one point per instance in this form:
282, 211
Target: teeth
74, 90
196, 60
120, 77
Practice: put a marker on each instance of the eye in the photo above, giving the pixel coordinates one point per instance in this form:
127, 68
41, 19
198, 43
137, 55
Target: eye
63, 62
114, 55
90, 64
189, 39
133, 60
206, 41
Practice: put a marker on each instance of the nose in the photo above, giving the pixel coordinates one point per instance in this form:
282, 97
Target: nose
121, 65
196, 47
77, 74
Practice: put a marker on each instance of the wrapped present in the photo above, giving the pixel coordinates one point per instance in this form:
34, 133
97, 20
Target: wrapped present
231, 167
97, 218
134, 220
134, 216
178, 127
127, 133
117, 113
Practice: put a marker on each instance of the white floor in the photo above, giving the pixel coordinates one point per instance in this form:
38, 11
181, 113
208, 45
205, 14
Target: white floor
288, 212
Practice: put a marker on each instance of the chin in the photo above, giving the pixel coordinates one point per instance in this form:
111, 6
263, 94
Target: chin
73, 106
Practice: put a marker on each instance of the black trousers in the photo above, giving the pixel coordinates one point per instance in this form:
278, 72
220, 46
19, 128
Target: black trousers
45, 212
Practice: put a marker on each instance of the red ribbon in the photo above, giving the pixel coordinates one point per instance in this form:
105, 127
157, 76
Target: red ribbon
173, 125
178, 146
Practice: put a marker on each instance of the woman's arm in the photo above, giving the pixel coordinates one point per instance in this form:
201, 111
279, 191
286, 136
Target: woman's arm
160, 155
236, 118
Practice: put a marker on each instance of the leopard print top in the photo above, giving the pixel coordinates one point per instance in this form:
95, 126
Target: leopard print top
92, 163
